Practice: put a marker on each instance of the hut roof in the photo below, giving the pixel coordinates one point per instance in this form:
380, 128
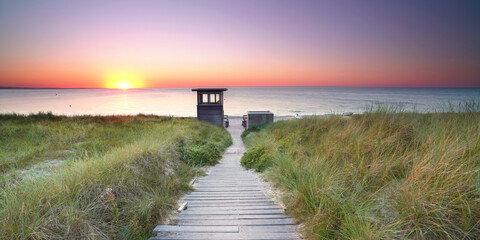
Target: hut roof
209, 89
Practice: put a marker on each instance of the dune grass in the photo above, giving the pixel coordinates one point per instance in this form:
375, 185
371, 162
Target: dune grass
122, 174
386, 174
31, 139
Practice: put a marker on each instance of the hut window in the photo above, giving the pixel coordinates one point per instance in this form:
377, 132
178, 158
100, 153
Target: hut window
215, 98
204, 98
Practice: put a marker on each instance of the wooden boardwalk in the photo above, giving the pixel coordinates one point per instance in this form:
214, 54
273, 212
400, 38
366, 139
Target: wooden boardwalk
229, 203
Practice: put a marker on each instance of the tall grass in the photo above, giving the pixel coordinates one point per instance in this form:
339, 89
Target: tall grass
31, 139
120, 192
381, 175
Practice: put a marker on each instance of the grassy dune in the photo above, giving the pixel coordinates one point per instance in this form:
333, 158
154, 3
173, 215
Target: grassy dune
119, 177
385, 174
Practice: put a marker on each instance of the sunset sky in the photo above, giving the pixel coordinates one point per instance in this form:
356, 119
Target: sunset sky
124, 44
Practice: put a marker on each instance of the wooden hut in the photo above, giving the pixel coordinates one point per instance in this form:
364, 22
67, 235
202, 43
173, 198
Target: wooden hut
210, 105
257, 118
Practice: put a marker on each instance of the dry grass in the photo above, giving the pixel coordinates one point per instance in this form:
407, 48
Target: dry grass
121, 189
381, 175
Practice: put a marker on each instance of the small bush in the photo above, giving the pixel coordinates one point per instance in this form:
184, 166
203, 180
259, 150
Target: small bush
201, 155
205, 148
253, 130
258, 158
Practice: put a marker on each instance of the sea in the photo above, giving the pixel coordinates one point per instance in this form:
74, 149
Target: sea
181, 102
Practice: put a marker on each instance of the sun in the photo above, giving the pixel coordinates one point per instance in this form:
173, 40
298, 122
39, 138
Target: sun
125, 84
124, 81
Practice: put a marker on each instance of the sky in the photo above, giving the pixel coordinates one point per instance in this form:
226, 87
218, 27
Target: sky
125, 44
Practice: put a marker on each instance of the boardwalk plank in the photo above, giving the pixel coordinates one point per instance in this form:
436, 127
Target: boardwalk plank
223, 236
233, 216
228, 212
236, 222
248, 207
196, 229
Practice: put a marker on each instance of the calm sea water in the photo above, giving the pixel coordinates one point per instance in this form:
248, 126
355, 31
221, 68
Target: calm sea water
182, 101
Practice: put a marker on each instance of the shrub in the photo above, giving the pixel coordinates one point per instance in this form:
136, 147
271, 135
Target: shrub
253, 130
206, 147
201, 155
258, 158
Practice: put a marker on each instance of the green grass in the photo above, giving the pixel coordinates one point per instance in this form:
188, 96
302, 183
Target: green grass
121, 175
31, 139
386, 174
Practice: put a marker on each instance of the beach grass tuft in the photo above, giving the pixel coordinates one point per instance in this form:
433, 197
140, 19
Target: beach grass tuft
385, 174
121, 176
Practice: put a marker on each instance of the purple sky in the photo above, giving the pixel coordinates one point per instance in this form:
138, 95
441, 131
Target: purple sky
235, 43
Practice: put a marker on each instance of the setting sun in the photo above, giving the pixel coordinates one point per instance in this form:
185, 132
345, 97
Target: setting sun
123, 81
124, 85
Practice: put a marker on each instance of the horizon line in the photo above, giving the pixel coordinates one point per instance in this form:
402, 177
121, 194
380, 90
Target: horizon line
9, 87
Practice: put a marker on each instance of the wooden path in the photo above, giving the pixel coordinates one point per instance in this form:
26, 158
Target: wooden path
229, 203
